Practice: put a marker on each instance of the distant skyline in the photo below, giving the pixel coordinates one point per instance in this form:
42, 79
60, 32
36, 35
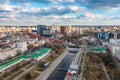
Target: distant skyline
60, 12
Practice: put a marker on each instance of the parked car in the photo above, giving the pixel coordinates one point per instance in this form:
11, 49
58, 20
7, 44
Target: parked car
46, 64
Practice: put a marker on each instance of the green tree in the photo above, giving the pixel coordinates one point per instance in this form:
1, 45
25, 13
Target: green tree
28, 76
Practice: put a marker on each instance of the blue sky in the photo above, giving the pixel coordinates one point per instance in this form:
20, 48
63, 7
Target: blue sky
62, 12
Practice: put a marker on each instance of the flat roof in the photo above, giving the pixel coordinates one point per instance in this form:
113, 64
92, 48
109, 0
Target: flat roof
25, 57
100, 49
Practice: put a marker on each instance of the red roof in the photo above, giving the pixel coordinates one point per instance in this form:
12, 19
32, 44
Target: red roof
33, 35
11, 42
30, 35
4, 38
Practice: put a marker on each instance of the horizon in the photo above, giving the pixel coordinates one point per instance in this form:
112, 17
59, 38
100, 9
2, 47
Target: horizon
60, 25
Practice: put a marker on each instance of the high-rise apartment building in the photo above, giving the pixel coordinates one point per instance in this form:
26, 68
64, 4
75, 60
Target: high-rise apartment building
62, 29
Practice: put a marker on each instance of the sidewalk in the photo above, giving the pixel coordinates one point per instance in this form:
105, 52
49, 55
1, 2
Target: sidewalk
44, 75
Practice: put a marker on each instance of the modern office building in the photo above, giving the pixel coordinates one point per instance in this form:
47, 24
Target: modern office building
44, 30
104, 36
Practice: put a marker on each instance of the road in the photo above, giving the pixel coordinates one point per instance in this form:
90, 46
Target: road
108, 78
104, 69
82, 65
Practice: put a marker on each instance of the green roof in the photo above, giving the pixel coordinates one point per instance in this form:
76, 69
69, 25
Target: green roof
25, 57
100, 49
7, 64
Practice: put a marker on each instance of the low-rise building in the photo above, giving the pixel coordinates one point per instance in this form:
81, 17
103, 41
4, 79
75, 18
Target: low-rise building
7, 52
22, 46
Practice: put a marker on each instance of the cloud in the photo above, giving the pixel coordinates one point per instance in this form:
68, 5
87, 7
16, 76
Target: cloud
6, 8
77, 8
90, 16
58, 11
2, 10
4, 17
3, 2
115, 18
52, 10
93, 4
38, 1
88, 3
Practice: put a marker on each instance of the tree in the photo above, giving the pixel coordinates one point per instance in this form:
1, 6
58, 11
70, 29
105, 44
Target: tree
99, 76
28, 76
56, 51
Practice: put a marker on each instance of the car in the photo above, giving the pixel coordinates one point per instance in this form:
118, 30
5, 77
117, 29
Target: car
46, 64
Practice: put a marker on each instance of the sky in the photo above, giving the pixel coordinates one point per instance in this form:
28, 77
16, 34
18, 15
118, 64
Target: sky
61, 12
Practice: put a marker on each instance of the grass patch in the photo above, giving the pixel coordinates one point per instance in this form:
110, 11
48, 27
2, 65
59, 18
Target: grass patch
52, 57
30, 76
15, 68
38, 68
15, 75
94, 68
29, 65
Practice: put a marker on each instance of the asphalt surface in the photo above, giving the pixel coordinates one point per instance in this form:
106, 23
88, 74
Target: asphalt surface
60, 72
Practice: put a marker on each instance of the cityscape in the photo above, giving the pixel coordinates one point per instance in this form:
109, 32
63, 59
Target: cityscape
59, 40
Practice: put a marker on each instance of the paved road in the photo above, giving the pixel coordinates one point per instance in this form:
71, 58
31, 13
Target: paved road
60, 74
108, 78
82, 66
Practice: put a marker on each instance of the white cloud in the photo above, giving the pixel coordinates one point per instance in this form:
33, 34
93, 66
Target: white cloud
56, 12
7, 7
92, 16
77, 8
70, 1
29, 10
